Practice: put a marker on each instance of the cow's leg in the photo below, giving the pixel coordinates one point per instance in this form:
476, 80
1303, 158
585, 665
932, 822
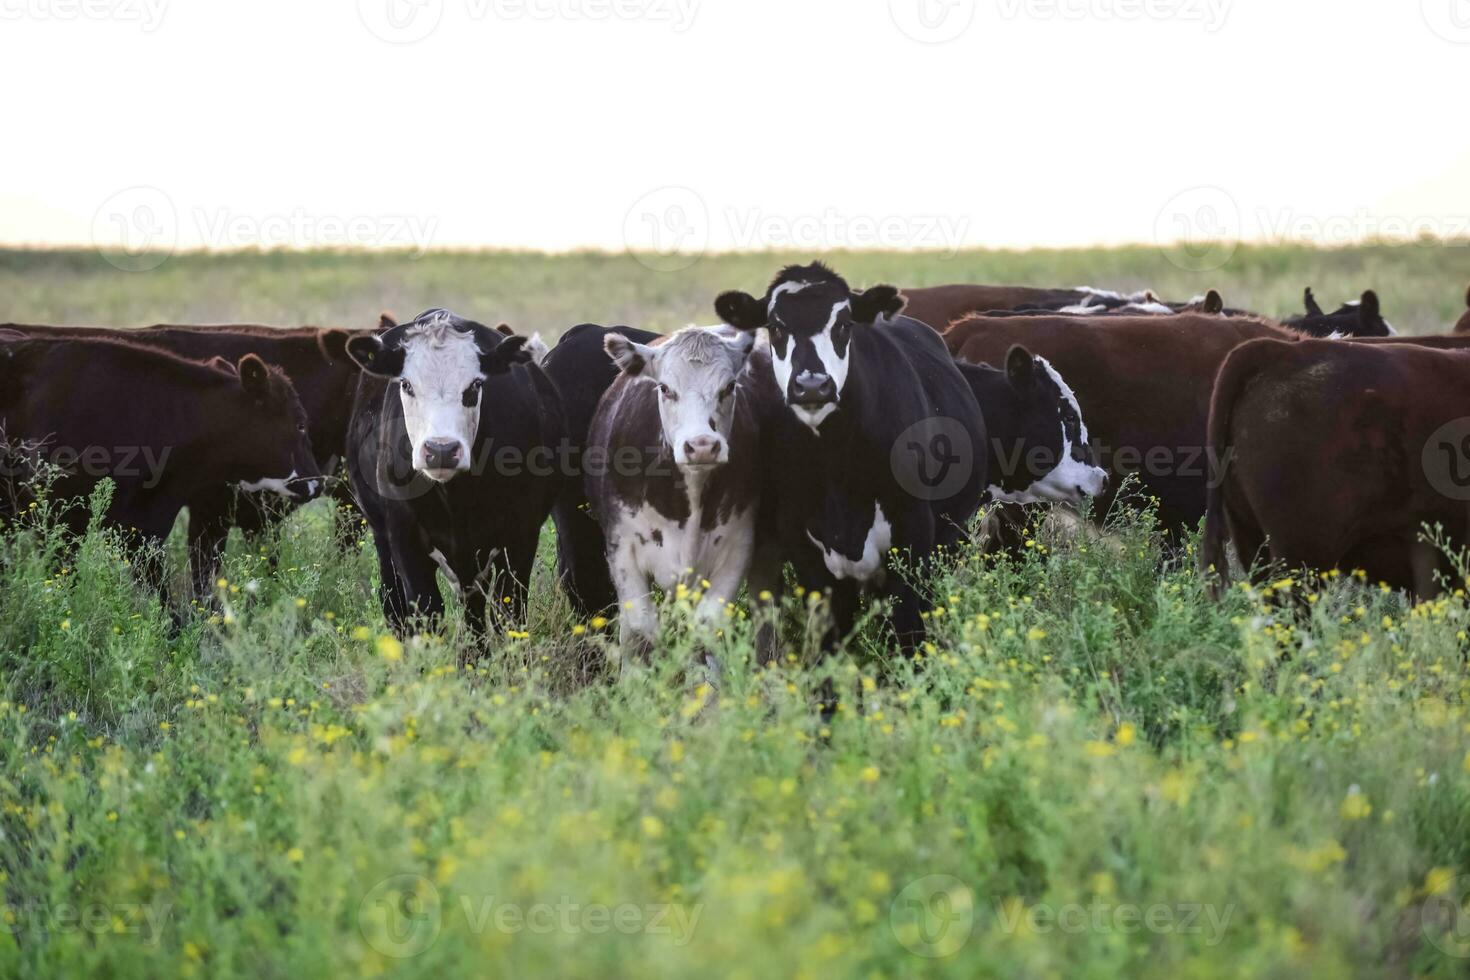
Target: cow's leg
725, 577
637, 615
1424, 558
764, 585
415, 572
581, 557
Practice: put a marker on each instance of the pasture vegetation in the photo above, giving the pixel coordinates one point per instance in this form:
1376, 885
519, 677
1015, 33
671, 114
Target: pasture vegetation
1093, 769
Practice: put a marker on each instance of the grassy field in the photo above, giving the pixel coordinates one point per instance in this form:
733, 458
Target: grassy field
1094, 770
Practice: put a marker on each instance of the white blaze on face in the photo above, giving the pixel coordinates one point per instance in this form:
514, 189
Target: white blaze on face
441, 371
1071, 479
696, 371
829, 361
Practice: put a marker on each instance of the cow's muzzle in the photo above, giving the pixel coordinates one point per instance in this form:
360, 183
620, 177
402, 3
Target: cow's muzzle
809, 390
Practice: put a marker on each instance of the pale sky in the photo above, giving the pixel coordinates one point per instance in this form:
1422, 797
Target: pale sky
730, 124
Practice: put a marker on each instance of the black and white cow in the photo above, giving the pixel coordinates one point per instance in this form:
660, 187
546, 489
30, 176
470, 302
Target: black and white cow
678, 491
1038, 448
454, 430
1360, 318
880, 454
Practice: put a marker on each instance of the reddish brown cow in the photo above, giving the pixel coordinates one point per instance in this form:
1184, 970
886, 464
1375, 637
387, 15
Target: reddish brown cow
1143, 384
1346, 488
315, 361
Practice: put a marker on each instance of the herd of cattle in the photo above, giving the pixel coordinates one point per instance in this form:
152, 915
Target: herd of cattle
835, 432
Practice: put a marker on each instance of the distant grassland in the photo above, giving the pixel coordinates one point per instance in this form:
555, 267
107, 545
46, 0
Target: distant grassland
1422, 286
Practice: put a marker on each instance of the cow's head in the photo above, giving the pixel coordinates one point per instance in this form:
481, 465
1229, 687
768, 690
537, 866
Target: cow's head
811, 315
273, 448
1047, 418
440, 362
1359, 318
697, 371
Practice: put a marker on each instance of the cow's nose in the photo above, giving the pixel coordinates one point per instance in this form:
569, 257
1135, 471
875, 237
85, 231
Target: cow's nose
702, 450
441, 454
812, 389
304, 488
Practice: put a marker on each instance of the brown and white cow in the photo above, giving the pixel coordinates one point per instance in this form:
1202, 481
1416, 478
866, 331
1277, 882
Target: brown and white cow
678, 490
1347, 488
1143, 384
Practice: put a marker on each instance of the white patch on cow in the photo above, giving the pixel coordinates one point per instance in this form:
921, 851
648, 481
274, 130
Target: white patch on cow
1099, 293
1146, 308
1083, 310
1389, 327
869, 567
782, 290
1197, 300
537, 348
1070, 480
443, 564
277, 485
647, 550
1336, 335
440, 364
693, 368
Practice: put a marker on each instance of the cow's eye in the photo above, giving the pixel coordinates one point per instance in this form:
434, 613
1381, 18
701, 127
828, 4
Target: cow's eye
727, 391
475, 386
301, 428
667, 392
406, 387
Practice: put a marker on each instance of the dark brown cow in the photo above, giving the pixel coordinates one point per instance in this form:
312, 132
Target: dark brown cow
166, 430
1142, 383
1348, 488
1464, 325
318, 367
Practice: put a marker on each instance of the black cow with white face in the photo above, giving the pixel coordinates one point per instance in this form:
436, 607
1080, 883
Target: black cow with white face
1360, 318
1039, 450
454, 432
879, 454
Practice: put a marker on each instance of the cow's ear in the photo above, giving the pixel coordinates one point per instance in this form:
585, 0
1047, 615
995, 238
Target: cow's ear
741, 310
1214, 302
1310, 302
508, 353
630, 357
1368, 309
333, 344
505, 330
740, 347
875, 302
254, 375
387, 321
1020, 366
374, 356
